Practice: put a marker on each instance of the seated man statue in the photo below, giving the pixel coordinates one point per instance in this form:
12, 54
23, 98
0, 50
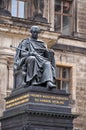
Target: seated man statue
33, 58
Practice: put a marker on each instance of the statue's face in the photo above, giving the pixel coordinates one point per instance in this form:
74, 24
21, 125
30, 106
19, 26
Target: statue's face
34, 34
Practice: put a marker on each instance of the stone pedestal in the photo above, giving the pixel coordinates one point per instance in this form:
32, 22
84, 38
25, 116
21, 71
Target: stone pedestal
37, 108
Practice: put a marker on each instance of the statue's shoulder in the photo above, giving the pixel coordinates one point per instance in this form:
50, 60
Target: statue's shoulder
24, 42
42, 42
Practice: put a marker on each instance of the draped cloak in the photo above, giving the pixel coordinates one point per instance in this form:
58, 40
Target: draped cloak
38, 50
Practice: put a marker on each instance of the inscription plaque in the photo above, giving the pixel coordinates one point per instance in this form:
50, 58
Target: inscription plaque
37, 108
37, 98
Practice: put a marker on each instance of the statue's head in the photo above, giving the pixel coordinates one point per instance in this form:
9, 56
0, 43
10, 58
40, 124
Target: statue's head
35, 30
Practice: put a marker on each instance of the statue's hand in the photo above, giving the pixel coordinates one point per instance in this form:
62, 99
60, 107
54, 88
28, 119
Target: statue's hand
32, 53
15, 67
25, 54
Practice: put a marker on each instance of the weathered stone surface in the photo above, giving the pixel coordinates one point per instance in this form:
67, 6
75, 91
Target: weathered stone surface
76, 60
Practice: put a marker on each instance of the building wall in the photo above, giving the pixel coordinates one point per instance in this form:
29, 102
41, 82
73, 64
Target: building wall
12, 34
78, 63
75, 60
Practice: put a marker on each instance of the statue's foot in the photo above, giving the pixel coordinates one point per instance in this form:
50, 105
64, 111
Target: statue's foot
28, 84
50, 85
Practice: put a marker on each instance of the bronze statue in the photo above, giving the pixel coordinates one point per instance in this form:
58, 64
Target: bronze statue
35, 62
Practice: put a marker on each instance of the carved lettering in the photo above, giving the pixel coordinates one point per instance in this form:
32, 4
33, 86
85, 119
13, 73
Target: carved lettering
37, 98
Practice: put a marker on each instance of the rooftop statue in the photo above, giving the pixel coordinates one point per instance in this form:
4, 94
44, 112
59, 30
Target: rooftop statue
4, 8
3, 4
38, 14
39, 6
34, 64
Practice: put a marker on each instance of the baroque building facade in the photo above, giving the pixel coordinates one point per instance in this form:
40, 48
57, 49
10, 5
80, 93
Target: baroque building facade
63, 28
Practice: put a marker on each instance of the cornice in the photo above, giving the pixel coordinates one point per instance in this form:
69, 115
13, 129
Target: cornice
18, 26
49, 37
43, 113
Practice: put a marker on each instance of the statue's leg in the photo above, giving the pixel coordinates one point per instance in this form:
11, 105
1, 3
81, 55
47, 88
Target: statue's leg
32, 68
47, 72
19, 78
48, 76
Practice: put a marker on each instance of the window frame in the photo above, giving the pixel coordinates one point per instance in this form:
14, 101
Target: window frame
62, 14
61, 79
18, 9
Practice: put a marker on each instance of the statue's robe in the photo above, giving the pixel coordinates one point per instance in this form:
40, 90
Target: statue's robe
35, 61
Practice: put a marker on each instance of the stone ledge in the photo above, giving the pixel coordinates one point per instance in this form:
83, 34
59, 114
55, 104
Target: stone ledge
42, 113
37, 89
69, 48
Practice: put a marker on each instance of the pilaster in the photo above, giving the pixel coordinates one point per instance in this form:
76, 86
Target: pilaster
51, 14
10, 78
3, 82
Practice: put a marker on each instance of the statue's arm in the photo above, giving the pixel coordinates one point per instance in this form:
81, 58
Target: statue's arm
49, 53
24, 53
52, 57
21, 55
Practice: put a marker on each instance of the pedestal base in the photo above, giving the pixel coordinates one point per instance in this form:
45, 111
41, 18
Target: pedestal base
36, 108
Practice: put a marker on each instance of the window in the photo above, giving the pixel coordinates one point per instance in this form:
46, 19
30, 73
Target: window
63, 78
17, 8
27, 8
63, 16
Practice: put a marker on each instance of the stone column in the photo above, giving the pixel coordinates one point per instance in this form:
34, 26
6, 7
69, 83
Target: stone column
3, 82
45, 13
51, 14
10, 79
